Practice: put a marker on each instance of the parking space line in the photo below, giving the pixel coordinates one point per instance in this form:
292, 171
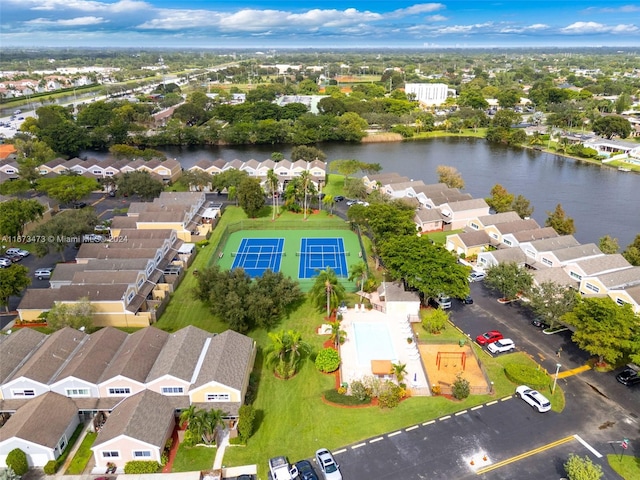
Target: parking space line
506, 398
340, 451
411, 428
461, 413
428, 423
587, 446
358, 446
376, 440
530, 453
477, 408
395, 433
445, 418
492, 403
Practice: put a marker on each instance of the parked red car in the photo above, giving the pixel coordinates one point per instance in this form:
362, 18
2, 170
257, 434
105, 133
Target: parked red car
489, 337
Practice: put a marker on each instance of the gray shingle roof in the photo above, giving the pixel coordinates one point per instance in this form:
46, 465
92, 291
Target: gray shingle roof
226, 360
146, 416
137, 355
507, 255
498, 218
634, 292
555, 275
180, 354
395, 292
475, 238
517, 226
535, 234
51, 356
93, 357
425, 215
549, 244
45, 298
16, 348
606, 263
52, 410
471, 204
578, 251
621, 279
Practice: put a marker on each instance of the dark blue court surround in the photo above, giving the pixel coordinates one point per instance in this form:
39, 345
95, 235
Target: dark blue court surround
255, 255
317, 254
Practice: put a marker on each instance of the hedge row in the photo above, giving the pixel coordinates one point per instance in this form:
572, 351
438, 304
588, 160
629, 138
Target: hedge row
527, 375
334, 397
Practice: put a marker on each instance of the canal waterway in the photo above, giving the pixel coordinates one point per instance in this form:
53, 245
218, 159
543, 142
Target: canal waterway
602, 201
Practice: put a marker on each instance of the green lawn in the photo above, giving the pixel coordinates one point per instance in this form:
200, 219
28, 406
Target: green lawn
82, 456
291, 417
627, 466
192, 459
441, 237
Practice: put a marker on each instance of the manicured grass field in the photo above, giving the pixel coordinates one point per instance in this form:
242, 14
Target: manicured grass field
191, 459
82, 456
627, 466
292, 418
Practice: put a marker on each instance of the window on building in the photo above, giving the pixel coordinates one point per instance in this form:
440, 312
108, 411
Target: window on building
141, 454
119, 391
130, 296
592, 287
620, 302
110, 454
218, 397
547, 262
77, 392
140, 282
530, 253
507, 242
24, 393
172, 390
575, 275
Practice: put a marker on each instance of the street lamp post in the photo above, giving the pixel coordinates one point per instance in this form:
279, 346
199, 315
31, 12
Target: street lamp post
555, 379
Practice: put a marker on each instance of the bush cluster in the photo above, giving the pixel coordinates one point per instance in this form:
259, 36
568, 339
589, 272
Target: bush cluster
460, 388
334, 397
246, 422
327, 360
390, 395
17, 461
139, 467
50, 467
527, 375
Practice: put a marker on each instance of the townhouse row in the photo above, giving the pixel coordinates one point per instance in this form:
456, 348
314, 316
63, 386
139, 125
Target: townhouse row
132, 387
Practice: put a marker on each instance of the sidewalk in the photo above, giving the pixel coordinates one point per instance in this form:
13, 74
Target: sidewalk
217, 463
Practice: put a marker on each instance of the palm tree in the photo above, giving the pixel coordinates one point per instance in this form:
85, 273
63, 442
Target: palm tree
272, 182
277, 351
399, 370
205, 424
338, 336
186, 416
358, 273
305, 180
328, 201
297, 348
327, 287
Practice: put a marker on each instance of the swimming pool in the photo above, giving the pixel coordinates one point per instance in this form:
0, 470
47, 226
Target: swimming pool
373, 342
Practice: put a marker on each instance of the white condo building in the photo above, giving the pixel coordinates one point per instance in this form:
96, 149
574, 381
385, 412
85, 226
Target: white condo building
428, 93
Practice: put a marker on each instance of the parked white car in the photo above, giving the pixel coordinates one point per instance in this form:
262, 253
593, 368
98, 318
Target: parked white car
533, 398
477, 276
18, 251
501, 346
328, 467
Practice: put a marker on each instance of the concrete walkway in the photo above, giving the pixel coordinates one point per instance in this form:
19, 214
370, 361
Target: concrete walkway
74, 450
224, 442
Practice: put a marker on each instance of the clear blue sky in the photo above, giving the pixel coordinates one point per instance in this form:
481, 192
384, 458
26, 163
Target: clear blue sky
265, 24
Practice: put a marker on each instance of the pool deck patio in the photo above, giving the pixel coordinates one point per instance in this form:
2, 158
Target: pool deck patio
405, 353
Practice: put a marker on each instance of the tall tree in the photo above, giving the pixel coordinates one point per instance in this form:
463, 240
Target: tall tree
550, 301
16, 213
337, 335
285, 352
604, 328
251, 196
522, 206
358, 272
608, 244
197, 180
13, 280
139, 183
560, 222
272, 184
450, 176
327, 291
426, 266
509, 279
632, 252
307, 153
305, 182
68, 188
75, 315
500, 200
63, 230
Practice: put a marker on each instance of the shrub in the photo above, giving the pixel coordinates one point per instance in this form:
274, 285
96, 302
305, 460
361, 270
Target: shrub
327, 360
139, 467
582, 468
245, 423
460, 388
236, 441
527, 375
360, 391
370, 285
434, 321
334, 397
190, 438
50, 467
17, 461
390, 395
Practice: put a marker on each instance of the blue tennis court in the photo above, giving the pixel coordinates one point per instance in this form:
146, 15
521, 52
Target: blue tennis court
255, 255
317, 254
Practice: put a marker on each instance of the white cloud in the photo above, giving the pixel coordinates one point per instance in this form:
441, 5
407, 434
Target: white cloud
583, 28
81, 5
415, 10
436, 18
71, 22
621, 9
537, 27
